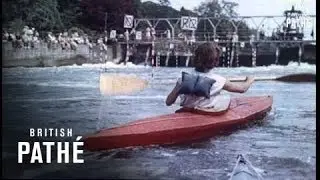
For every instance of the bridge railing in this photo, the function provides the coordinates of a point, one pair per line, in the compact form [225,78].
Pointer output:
[212,25]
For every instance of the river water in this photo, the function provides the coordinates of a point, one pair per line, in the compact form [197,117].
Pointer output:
[283,145]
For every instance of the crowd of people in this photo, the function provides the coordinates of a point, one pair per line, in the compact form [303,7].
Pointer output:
[28,38]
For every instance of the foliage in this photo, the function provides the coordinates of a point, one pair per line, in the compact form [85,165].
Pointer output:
[16,25]
[44,15]
[61,15]
[221,14]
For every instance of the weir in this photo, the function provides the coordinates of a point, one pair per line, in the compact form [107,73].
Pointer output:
[240,47]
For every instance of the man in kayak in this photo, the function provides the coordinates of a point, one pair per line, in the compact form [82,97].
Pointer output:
[201,88]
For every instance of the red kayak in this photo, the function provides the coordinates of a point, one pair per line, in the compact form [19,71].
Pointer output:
[179,127]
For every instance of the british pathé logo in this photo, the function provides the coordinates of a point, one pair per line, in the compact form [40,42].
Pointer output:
[297,21]
[63,148]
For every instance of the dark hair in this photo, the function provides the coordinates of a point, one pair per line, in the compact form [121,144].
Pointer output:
[206,57]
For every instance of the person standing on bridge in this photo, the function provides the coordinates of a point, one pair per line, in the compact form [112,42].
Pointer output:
[206,84]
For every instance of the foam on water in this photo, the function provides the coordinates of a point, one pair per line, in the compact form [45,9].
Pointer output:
[140,97]
[49,99]
[291,65]
[52,84]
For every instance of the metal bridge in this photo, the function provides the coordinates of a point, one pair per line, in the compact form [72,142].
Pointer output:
[234,41]
[257,22]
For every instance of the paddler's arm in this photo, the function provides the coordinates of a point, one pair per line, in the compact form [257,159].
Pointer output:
[172,97]
[238,87]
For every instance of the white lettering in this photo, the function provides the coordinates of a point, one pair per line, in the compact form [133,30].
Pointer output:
[50,131]
[48,147]
[21,152]
[61,151]
[76,151]
[39,132]
[69,132]
[36,153]
[62,133]
[31,132]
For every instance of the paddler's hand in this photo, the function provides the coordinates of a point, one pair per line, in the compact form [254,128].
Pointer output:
[173,94]
[178,85]
[250,79]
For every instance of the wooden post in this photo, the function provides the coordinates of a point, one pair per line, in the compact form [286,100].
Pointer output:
[232,54]
[254,55]
[177,59]
[152,53]
[167,58]
[127,54]
[277,55]
[237,54]
[223,56]
[158,59]
[171,46]
[188,58]
[228,56]
[147,56]
[300,53]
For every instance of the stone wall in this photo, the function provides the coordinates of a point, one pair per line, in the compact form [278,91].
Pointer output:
[42,56]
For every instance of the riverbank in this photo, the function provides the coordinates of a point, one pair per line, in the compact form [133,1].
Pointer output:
[42,56]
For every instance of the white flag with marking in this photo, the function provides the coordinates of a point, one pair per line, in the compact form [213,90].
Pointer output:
[128,21]
[189,23]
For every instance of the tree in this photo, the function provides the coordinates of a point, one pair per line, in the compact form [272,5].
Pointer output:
[70,12]
[44,15]
[209,9]
[228,8]
[94,12]
[185,12]
[222,12]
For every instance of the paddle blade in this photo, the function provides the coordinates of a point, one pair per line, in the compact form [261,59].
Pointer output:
[305,77]
[119,84]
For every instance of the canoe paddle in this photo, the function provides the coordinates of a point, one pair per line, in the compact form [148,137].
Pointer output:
[303,77]
[120,84]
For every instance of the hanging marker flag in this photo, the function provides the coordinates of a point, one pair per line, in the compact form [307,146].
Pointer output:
[128,21]
[189,23]
[138,35]
[113,34]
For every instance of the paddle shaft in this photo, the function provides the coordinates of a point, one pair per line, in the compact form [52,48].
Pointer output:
[303,77]
[241,79]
